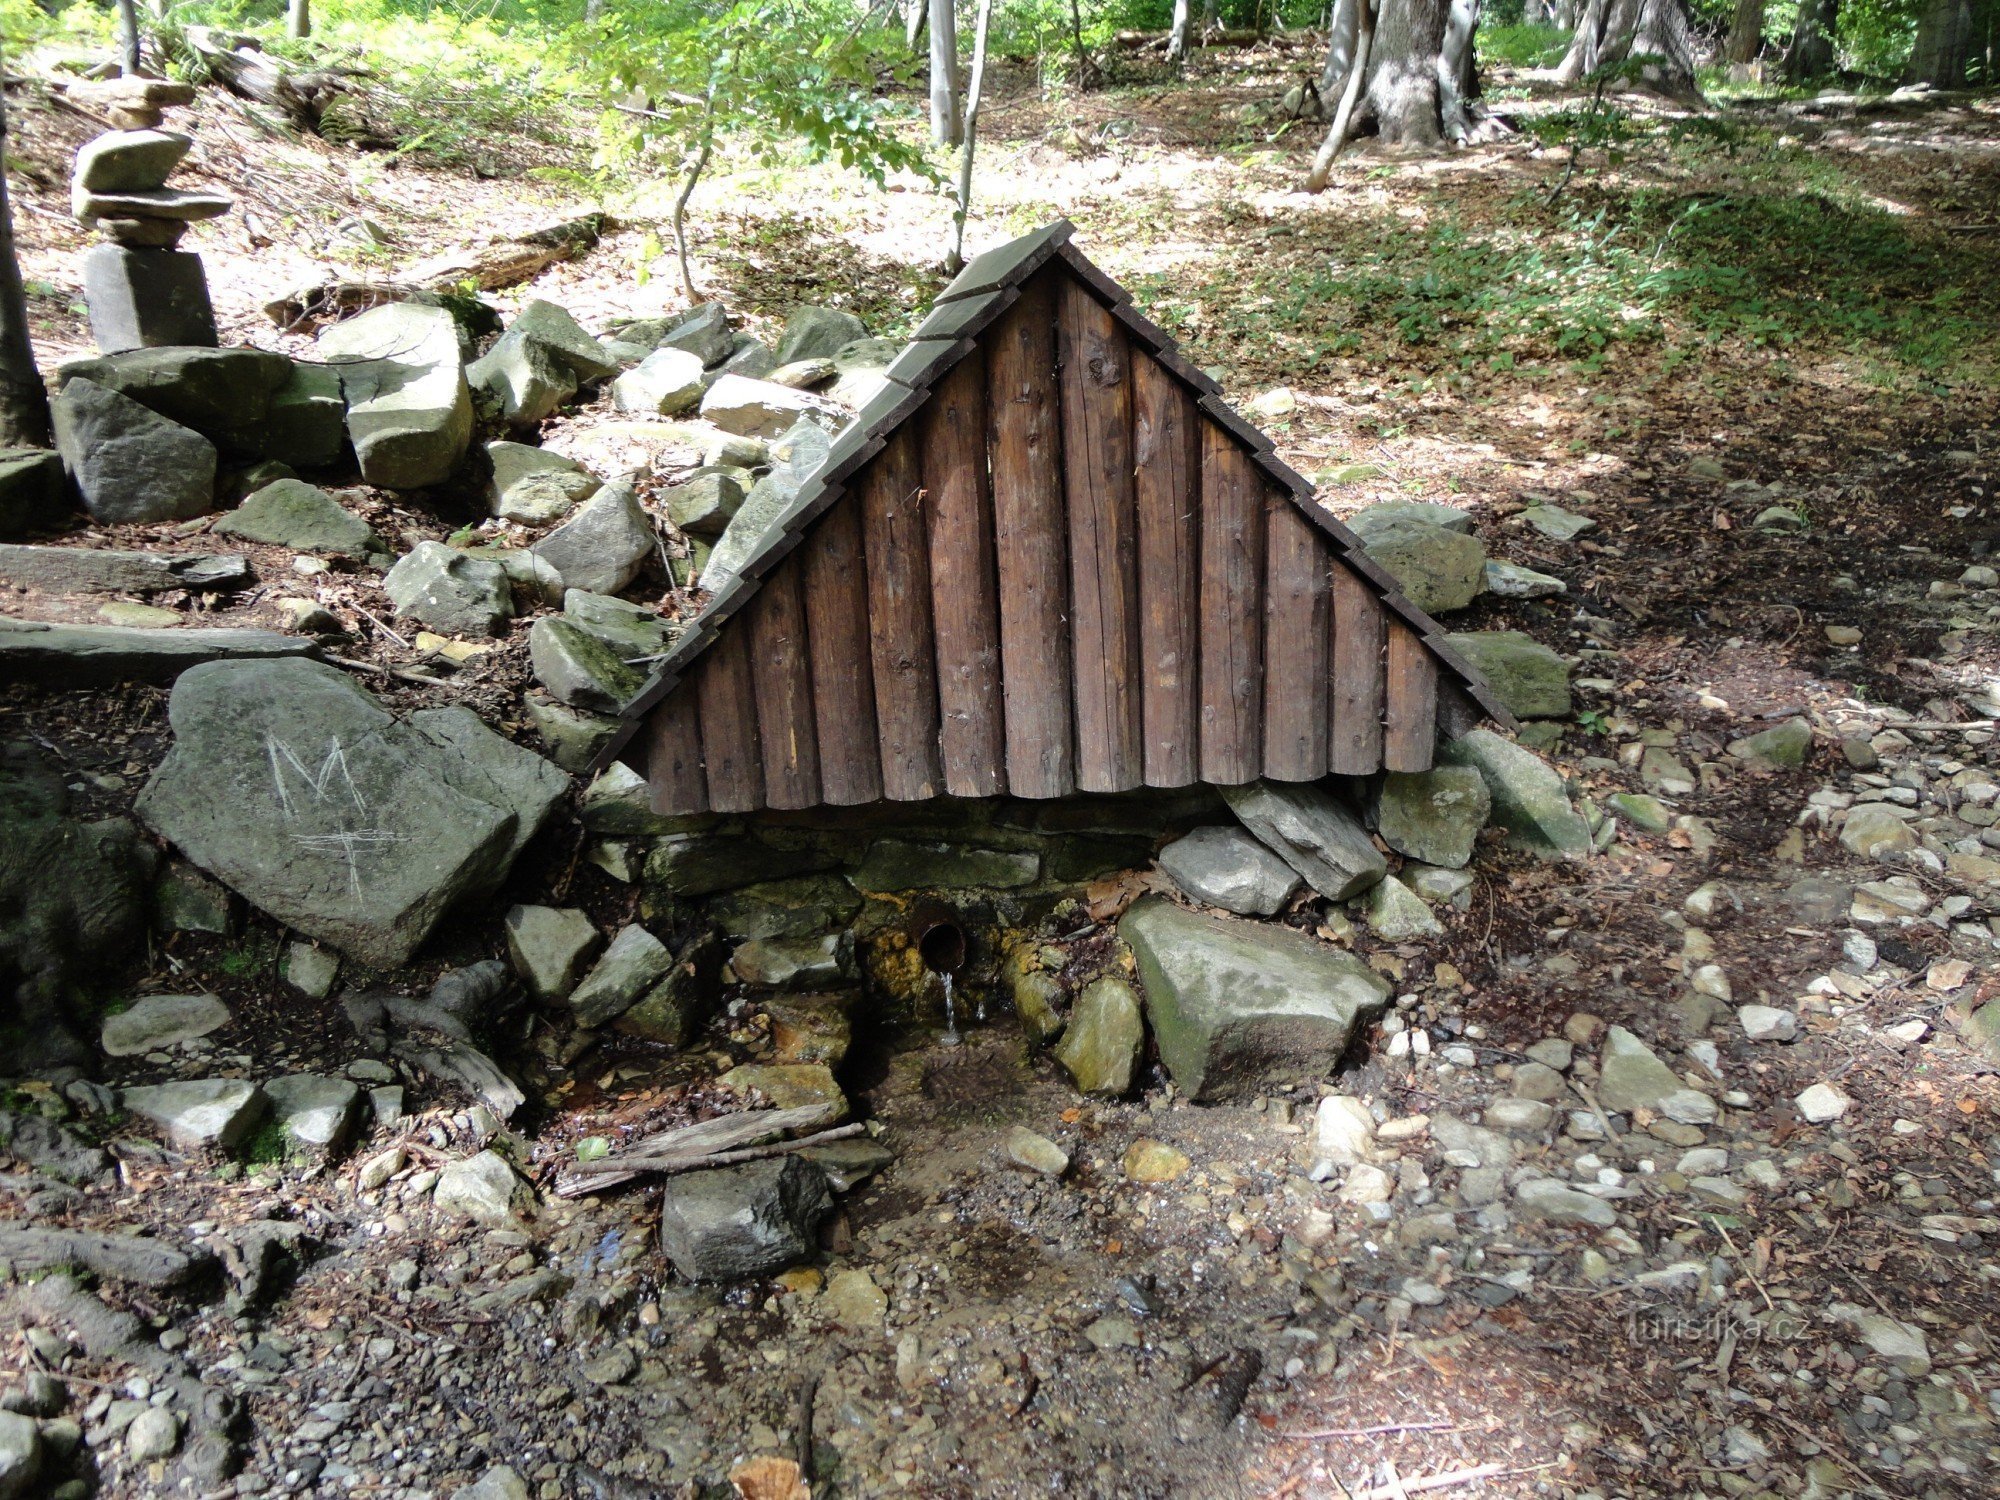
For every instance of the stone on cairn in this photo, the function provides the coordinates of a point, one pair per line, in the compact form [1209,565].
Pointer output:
[142,293]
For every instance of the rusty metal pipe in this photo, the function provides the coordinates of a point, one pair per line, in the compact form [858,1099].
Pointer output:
[938,934]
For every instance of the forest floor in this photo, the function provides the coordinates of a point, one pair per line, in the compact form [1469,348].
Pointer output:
[1679,325]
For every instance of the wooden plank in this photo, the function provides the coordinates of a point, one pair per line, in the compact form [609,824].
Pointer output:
[781,672]
[1166,456]
[729,725]
[1103,541]
[843,677]
[1410,692]
[1024,444]
[1232,611]
[1298,646]
[901,643]
[673,754]
[965,584]
[1358,629]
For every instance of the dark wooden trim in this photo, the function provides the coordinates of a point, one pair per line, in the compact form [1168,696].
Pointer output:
[1232,611]
[902,645]
[1166,456]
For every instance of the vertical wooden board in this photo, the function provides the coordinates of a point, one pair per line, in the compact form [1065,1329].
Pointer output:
[1166,460]
[1298,645]
[1232,611]
[1410,691]
[728,700]
[835,577]
[673,754]
[972,729]
[902,645]
[1024,444]
[1358,628]
[1103,540]
[781,672]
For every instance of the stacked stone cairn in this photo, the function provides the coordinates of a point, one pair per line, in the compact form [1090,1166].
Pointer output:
[142,292]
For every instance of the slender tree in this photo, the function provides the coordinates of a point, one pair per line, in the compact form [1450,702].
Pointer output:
[1811,52]
[128,37]
[946,125]
[299,23]
[956,261]
[24,400]
[1177,37]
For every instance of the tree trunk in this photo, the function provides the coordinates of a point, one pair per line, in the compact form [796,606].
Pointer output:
[956,262]
[1746,33]
[1943,45]
[1535,13]
[1340,35]
[946,126]
[1177,38]
[298,19]
[1811,54]
[128,37]
[1612,31]
[916,15]
[24,400]
[1420,73]
[1343,118]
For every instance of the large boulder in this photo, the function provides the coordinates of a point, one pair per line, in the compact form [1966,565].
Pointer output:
[291,784]
[127,461]
[762,408]
[519,382]
[1238,1007]
[96,655]
[576,667]
[1437,569]
[817,333]
[533,486]
[450,591]
[666,382]
[1313,832]
[34,491]
[704,330]
[735,1222]
[551,328]
[1433,815]
[1527,677]
[604,543]
[292,513]
[223,394]
[409,410]
[1226,867]
[1529,798]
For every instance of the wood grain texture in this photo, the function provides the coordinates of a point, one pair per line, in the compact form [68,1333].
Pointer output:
[1166,455]
[729,724]
[902,645]
[1232,611]
[1411,694]
[835,579]
[673,755]
[1103,541]
[965,584]
[1358,643]
[1298,645]
[1024,444]
[781,672]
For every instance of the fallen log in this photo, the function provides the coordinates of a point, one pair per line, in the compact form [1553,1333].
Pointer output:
[705,1138]
[240,65]
[114,1257]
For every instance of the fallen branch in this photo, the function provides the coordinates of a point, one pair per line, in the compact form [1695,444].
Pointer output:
[704,1138]
[1445,1481]
[114,1257]
[1384,1428]
[668,1165]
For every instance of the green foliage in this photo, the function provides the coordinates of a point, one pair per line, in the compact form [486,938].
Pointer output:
[269,1147]
[1522,46]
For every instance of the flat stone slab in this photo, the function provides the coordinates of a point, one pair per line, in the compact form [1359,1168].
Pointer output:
[125,161]
[316,1112]
[89,570]
[157,1021]
[1313,832]
[292,513]
[96,655]
[1239,1006]
[205,1112]
[1226,867]
[154,203]
[409,409]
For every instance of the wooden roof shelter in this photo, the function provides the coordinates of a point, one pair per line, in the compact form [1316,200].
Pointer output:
[1045,558]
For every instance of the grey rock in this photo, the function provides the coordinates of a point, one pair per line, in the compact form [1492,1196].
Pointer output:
[409,409]
[95,655]
[802,907]
[1435,815]
[450,591]
[704,331]
[633,963]
[127,462]
[314,1111]
[603,545]
[1647,814]
[1782,747]
[811,962]
[906,865]
[305,422]
[1312,832]
[1512,581]
[577,668]
[154,1434]
[1557,524]
[678,1004]
[1631,1076]
[759,408]
[572,737]
[1034,1152]
[1545,1198]
[632,631]
[793,459]
[1529,798]
[483,1188]
[1237,1006]
[1100,1047]
[1388,512]
[292,513]
[1225,867]
[746,357]
[817,333]
[205,1112]
[34,492]
[498,1483]
[144,299]
[705,505]
[803,374]
[1520,1116]
[1397,914]
[534,487]
[550,327]
[519,381]
[155,1022]
[1437,570]
[666,382]
[90,570]
[1527,677]
[1902,1344]
[532,577]
[291,784]
[744,1221]
[548,947]
[185,900]
[124,161]
[223,394]
[309,970]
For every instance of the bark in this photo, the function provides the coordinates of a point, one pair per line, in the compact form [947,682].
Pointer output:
[957,261]
[1656,35]
[1746,33]
[298,19]
[1811,54]
[1943,46]
[916,17]
[1535,13]
[946,126]
[1343,119]
[1340,36]
[1177,38]
[1419,75]
[24,401]
[258,76]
